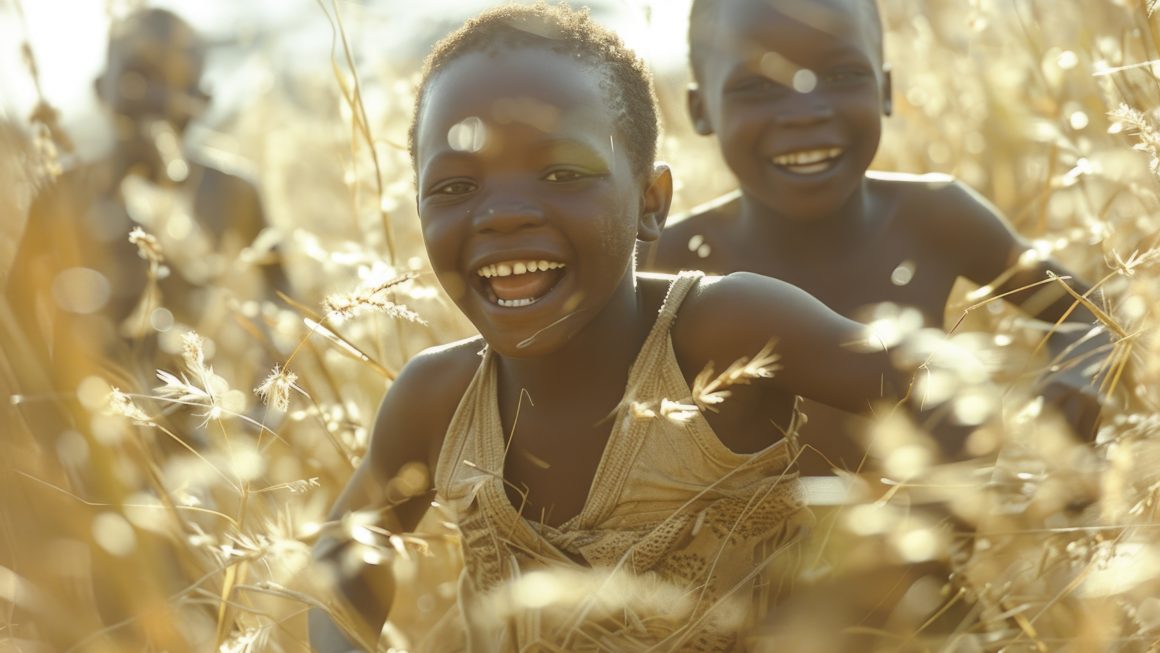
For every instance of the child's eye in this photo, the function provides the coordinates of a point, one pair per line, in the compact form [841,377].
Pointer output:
[755,85]
[454,187]
[563,175]
[844,76]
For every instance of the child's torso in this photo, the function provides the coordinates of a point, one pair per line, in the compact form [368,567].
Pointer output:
[890,256]
[640,485]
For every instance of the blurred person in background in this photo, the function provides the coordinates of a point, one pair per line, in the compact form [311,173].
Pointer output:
[76,271]
[119,257]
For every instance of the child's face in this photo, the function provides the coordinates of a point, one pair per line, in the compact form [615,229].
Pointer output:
[529,205]
[153,77]
[794,90]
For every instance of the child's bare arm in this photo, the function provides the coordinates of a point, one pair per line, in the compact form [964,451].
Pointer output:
[823,355]
[991,254]
[396,480]
[966,227]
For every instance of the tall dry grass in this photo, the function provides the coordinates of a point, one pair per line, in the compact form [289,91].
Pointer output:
[176,512]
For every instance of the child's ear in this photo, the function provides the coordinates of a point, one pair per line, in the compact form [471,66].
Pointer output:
[887,91]
[695,102]
[658,197]
[99,88]
[203,95]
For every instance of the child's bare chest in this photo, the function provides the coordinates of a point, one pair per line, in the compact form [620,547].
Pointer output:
[890,266]
[552,460]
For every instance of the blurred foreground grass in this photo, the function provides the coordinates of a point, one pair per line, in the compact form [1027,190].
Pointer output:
[181,518]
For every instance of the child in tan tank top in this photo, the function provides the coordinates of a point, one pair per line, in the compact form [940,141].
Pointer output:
[580,441]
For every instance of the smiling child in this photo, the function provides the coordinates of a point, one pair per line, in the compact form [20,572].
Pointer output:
[549,436]
[795,91]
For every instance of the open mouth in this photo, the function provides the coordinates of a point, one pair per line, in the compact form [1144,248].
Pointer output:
[809,162]
[517,283]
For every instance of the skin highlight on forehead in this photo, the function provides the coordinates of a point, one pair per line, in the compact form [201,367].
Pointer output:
[520,107]
[568,113]
[626,84]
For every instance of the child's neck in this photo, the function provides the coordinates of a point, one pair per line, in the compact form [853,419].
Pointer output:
[601,353]
[846,224]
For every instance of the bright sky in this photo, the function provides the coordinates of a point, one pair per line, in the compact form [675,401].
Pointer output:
[68,40]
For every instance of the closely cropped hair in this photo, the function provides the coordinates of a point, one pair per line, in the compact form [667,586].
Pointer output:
[160,24]
[702,18]
[628,83]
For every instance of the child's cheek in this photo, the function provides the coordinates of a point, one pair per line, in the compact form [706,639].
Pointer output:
[453,284]
[616,229]
[440,241]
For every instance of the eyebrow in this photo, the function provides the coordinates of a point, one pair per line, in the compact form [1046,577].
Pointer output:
[441,157]
[587,147]
[563,143]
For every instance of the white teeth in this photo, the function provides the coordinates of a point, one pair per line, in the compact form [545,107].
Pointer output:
[509,268]
[810,169]
[807,157]
[516,303]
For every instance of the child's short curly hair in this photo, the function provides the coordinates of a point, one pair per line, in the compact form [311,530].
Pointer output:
[702,19]
[567,31]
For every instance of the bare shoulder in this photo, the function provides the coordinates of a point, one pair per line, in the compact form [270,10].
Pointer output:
[232,182]
[731,316]
[821,354]
[226,166]
[682,235]
[416,411]
[932,202]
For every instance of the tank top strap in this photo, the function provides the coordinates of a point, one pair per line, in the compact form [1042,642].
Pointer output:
[678,290]
[646,377]
[657,344]
[476,408]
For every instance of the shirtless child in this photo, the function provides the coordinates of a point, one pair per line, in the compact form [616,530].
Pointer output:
[795,91]
[204,216]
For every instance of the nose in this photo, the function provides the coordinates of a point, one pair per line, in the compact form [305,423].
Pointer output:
[803,109]
[507,215]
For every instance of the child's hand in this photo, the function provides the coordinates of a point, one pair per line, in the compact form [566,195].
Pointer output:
[1076,397]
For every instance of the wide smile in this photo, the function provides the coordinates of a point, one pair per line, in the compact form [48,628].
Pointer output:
[518,283]
[808,163]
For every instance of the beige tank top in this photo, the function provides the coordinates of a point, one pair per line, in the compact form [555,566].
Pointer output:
[681,544]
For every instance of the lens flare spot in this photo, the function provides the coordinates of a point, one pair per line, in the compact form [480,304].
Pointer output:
[161,319]
[93,392]
[805,81]
[72,449]
[114,534]
[908,461]
[973,409]
[903,274]
[81,290]
[918,545]
[869,519]
[469,135]
[537,590]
